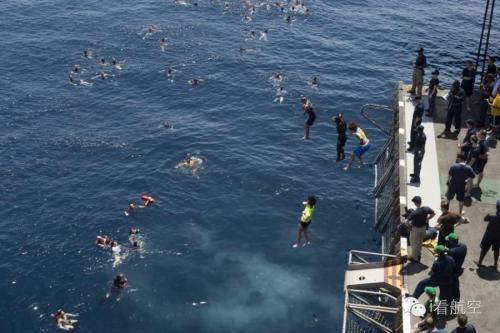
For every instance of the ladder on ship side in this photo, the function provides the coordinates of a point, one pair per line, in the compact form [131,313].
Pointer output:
[482,51]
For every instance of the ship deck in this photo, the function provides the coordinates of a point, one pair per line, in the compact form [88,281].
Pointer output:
[479,286]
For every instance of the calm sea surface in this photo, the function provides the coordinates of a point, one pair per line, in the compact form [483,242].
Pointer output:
[73,157]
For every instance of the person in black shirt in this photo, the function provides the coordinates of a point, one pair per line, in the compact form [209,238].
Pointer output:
[491,237]
[479,156]
[486,90]
[418,113]
[419,219]
[455,98]
[418,154]
[463,327]
[458,251]
[432,91]
[466,144]
[467,85]
[418,73]
[459,180]
[311,116]
[342,137]
[492,69]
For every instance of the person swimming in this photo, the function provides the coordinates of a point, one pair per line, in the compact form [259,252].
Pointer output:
[168,125]
[76,69]
[79,82]
[163,44]
[247,18]
[131,209]
[116,253]
[280,95]
[252,35]
[276,79]
[192,163]
[226,8]
[103,62]
[149,32]
[120,281]
[194,82]
[103,241]
[64,320]
[102,76]
[116,64]
[364,144]
[87,53]
[134,231]
[314,82]
[147,200]
[288,18]
[263,35]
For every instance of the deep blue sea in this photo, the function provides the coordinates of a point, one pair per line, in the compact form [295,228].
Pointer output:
[73,156]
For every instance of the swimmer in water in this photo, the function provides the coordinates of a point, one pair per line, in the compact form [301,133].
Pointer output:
[191,162]
[64,320]
[116,250]
[364,144]
[195,82]
[313,82]
[149,32]
[246,19]
[131,209]
[103,241]
[168,125]
[280,95]
[103,62]
[102,76]
[288,18]
[181,2]
[163,44]
[263,35]
[76,69]
[226,8]
[252,35]
[120,281]
[87,53]
[134,231]
[79,82]
[116,64]
[276,79]
[147,200]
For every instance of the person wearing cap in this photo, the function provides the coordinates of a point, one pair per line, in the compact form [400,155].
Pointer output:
[418,73]
[458,252]
[491,237]
[466,142]
[463,327]
[447,222]
[432,92]
[440,275]
[459,181]
[419,219]
[418,154]
[427,324]
[418,113]
[454,113]
[342,137]
[468,75]
[492,68]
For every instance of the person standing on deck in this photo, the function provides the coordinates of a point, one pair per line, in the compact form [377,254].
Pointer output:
[463,327]
[364,144]
[467,84]
[432,91]
[459,181]
[492,68]
[418,73]
[418,154]
[418,113]
[458,252]
[341,138]
[454,114]
[491,237]
[466,144]
[485,92]
[305,221]
[447,222]
[479,157]
[419,219]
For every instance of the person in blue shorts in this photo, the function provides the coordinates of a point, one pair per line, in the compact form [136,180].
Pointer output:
[364,144]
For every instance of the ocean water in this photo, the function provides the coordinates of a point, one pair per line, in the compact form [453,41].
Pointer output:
[73,157]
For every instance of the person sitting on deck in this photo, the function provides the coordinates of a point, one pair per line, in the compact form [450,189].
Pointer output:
[459,181]
[441,275]
[431,307]
[364,144]
[491,237]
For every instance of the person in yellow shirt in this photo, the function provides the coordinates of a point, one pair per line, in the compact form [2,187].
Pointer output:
[364,144]
[305,221]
